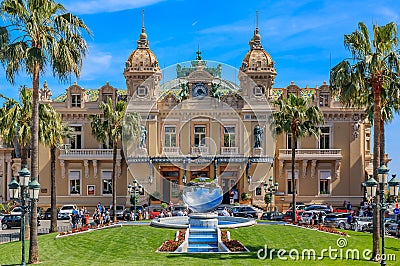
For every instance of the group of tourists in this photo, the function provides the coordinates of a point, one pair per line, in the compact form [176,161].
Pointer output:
[79,217]
[101,215]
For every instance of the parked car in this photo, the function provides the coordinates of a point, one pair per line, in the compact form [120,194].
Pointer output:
[299,206]
[336,219]
[154,213]
[12,220]
[119,212]
[288,215]
[394,229]
[66,211]
[306,217]
[364,224]
[317,207]
[16,211]
[391,226]
[273,216]
[245,211]
[47,214]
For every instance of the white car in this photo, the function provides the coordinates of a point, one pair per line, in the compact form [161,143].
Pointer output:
[66,211]
[16,211]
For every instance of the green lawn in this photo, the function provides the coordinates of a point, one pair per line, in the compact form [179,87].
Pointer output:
[136,245]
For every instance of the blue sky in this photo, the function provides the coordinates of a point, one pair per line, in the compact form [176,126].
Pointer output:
[304,38]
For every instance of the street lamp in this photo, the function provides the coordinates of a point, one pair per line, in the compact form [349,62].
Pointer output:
[20,192]
[271,187]
[371,187]
[133,190]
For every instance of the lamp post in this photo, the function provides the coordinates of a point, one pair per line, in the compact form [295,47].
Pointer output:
[133,190]
[270,188]
[19,192]
[371,186]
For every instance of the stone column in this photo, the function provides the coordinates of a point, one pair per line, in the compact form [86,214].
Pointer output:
[86,166]
[62,164]
[94,168]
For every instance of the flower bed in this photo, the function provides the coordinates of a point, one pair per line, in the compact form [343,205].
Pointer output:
[172,245]
[232,245]
[87,228]
[323,229]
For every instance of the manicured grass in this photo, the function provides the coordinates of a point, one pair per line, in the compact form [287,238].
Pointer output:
[136,245]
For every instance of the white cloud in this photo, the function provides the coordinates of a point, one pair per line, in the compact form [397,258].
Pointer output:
[97,64]
[99,6]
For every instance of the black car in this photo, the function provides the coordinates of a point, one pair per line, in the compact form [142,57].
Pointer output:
[47,214]
[12,220]
[273,216]
[245,211]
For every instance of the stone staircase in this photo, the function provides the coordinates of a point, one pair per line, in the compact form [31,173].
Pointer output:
[202,239]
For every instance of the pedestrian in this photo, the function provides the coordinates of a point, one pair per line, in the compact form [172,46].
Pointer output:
[349,206]
[320,218]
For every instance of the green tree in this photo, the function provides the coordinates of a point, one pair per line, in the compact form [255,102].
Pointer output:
[373,70]
[15,118]
[267,200]
[108,129]
[40,33]
[52,131]
[295,117]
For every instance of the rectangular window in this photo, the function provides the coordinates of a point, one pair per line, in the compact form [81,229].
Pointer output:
[289,183]
[324,182]
[169,136]
[76,140]
[74,182]
[107,182]
[229,136]
[324,100]
[289,186]
[199,136]
[174,188]
[324,138]
[75,100]
[106,96]
[289,142]
[142,91]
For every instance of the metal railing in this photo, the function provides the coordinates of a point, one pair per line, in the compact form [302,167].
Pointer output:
[10,237]
[200,150]
[88,153]
[229,150]
[312,152]
[171,150]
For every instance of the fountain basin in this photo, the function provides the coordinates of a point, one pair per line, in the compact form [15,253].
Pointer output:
[182,222]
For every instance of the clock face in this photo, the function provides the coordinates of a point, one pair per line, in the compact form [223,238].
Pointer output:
[199,90]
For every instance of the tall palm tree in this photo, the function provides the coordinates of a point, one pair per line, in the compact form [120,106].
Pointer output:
[294,116]
[374,67]
[16,120]
[40,33]
[108,129]
[52,131]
